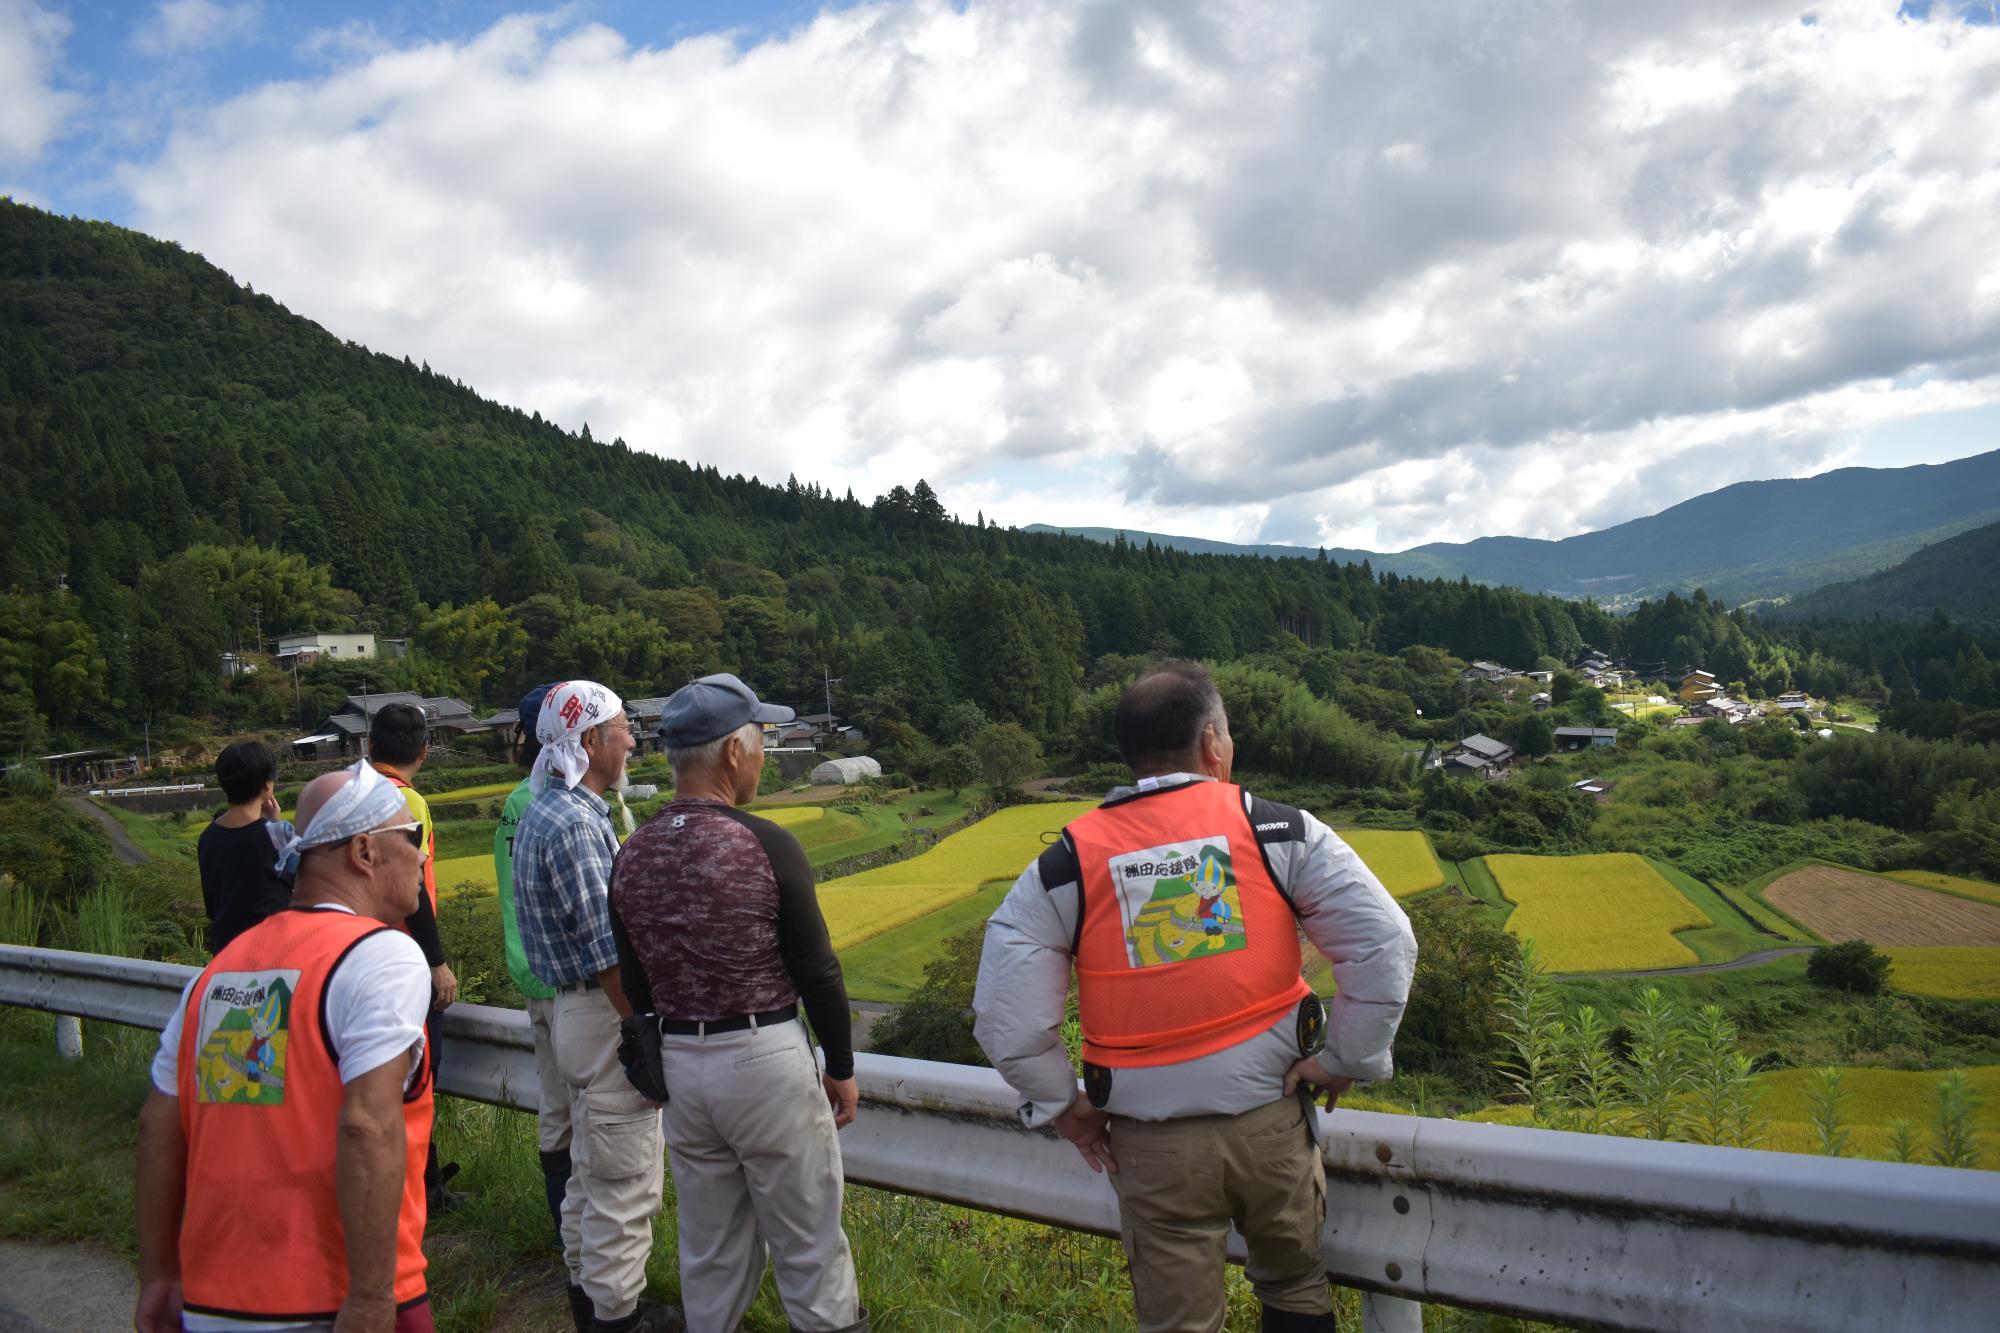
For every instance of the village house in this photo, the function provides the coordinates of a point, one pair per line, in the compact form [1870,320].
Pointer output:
[1478,756]
[1541,702]
[1571,739]
[309,647]
[1733,711]
[345,731]
[1794,701]
[1698,686]
[1486,671]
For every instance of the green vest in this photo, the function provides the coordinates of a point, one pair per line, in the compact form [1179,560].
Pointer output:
[503,871]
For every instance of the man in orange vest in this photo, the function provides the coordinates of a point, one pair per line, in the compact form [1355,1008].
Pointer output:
[281,1151]
[1179,903]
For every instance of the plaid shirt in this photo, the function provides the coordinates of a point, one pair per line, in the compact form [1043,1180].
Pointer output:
[563,851]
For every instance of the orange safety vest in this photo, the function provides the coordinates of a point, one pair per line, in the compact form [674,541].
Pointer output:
[1186,945]
[260,1097]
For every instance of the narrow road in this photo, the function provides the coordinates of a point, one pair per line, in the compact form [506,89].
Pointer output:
[64,1289]
[1751,959]
[121,841]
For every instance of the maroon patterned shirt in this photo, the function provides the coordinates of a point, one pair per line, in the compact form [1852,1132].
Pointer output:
[715,916]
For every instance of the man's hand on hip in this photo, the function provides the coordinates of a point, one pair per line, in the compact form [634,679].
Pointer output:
[1087,1128]
[844,1096]
[1308,1072]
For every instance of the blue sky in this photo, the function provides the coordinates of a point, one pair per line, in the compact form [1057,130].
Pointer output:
[1255,270]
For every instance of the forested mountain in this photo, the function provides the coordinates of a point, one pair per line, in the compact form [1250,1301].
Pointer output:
[189,464]
[1752,540]
[1959,576]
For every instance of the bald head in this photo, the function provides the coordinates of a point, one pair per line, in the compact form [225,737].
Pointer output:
[1162,718]
[318,792]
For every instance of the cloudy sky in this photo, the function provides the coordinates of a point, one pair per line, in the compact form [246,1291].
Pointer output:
[1311,273]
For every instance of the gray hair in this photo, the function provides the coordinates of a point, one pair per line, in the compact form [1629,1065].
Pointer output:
[709,753]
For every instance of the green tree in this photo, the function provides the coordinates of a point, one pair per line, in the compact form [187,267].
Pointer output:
[935,1023]
[955,766]
[1537,737]
[1452,1025]
[478,642]
[1851,966]
[1008,755]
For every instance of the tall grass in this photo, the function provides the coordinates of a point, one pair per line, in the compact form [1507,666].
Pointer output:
[22,914]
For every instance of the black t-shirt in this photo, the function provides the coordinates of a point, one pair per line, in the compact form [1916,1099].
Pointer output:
[240,883]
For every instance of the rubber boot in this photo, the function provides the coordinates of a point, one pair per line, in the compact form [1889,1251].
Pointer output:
[647,1318]
[555,1183]
[1295,1321]
[858,1326]
[580,1311]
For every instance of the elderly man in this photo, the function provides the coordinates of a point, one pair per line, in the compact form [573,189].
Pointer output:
[281,1151]
[552,1128]
[563,850]
[720,936]
[1179,902]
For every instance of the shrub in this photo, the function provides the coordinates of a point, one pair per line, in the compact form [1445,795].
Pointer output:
[1854,966]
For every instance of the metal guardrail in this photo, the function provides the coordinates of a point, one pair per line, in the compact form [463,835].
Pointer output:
[1570,1228]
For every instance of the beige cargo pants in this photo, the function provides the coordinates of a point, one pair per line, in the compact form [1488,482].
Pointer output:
[756,1172]
[1180,1184]
[615,1158]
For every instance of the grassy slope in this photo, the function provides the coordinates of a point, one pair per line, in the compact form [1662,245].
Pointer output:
[1731,936]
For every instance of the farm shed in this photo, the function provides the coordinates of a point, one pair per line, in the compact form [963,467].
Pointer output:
[842,772]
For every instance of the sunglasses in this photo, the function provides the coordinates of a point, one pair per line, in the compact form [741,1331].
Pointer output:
[414,831]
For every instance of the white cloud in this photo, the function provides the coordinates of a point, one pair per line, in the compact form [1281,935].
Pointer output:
[175,26]
[1364,277]
[32,108]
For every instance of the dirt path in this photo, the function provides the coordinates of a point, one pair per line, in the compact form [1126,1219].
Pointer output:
[64,1289]
[1752,959]
[121,841]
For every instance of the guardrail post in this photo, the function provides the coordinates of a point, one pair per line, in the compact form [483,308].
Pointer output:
[1390,1314]
[69,1036]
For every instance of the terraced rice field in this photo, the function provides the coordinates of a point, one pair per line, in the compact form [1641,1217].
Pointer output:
[1839,904]
[792,816]
[1951,974]
[1931,879]
[860,907]
[485,792]
[466,876]
[1403,861]
[1604,913]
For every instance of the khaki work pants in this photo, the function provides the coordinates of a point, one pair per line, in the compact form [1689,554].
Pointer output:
[756,1172]
[552,1110]
[615,1162]
[1180,1184]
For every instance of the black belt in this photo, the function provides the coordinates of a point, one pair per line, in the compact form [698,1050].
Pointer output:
[579,987]
[696,1027]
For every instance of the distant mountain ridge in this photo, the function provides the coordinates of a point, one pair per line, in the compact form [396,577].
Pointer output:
[1749,541]
[1959,576]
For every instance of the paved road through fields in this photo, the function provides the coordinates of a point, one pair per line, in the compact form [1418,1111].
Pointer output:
[1751,959]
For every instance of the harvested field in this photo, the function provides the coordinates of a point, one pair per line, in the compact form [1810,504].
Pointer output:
[1842,905]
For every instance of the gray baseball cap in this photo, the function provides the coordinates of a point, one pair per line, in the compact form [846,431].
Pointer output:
[710,708]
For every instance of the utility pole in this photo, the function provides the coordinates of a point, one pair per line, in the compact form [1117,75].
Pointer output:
[298,700]
[149,742]
[831,681]
[257,616]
